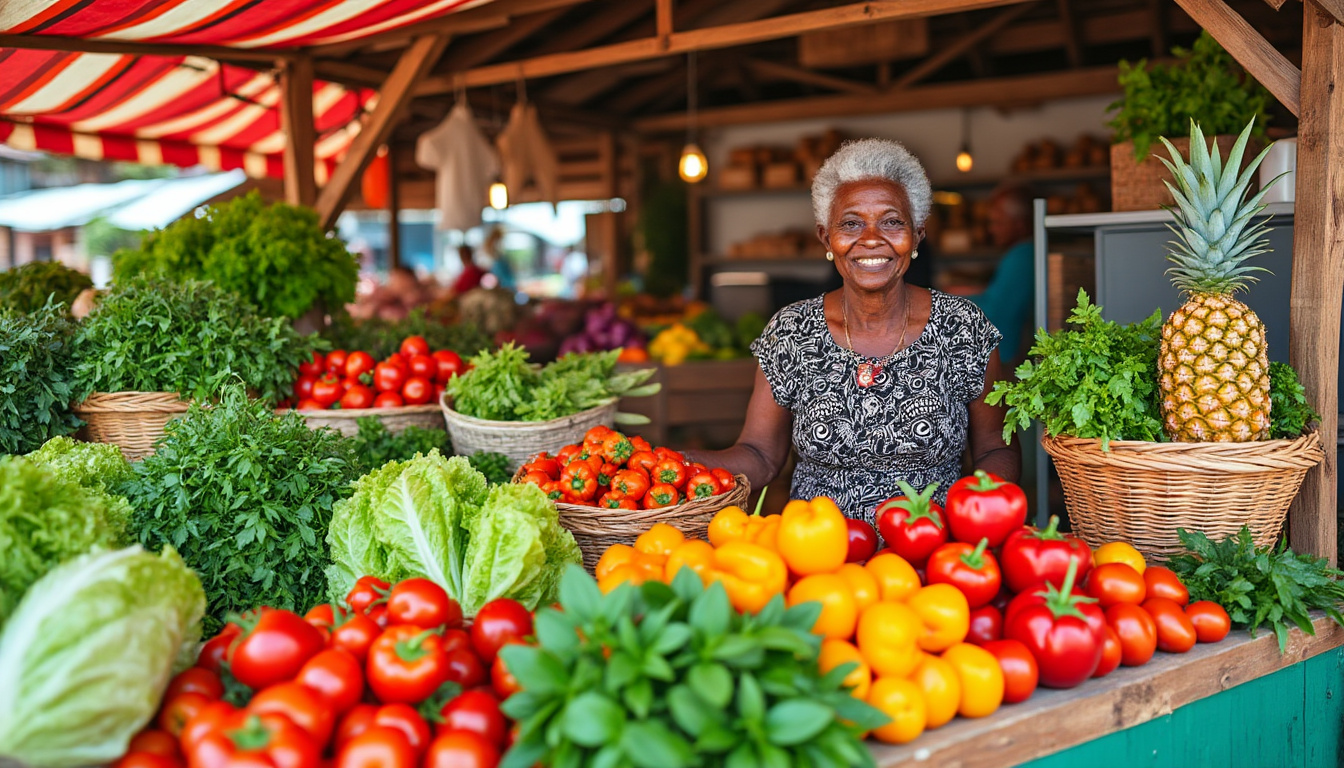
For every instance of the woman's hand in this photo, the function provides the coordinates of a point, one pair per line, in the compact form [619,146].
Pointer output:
[988,450]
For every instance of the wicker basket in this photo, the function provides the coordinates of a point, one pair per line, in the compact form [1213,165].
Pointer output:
[596,528]
[132,420]
[1137,186]
[396,420]
[521,440]
[1142,492]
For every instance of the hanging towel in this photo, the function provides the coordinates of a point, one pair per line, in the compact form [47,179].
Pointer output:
[528,158]
[465,166]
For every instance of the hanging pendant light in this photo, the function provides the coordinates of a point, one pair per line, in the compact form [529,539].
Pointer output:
[693,166]
[964,159]
[499,196]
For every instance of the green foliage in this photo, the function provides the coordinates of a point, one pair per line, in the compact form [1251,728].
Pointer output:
[93,465]
[189,337]
[36,378]
[1203,84]
[381,338]
[375,445]
[504,386]
[246,497]
[662,230]
[495,466]
[1289,411]
[274,256]
[672,677]
[1259,585]
[26,288]
[1096,381]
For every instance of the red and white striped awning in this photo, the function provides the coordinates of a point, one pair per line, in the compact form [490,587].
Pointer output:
[183,110]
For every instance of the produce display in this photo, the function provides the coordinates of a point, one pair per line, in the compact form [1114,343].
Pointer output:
[381,338]
[27,288]
[354,379]
[617,472]
[603,330]
[704,335]
[502,385]
[37,366]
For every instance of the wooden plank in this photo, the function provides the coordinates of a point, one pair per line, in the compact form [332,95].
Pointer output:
[1004,91]
[133,48]
[392,99]
[800,75]
[1275,4]
[485,47]
[1051,721]
[493,15]
[348,73]
[663,18]
[1157,10]
[958,49]
[1318,268]
[1325,708]
[1262,60]
[296,123]
[1333,7]
[393,209]
[1072,46]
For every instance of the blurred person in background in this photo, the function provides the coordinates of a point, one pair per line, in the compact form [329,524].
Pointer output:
[470,276]
[1010,297]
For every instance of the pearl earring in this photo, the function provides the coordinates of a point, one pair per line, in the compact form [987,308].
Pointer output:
[830,256]
[914,254]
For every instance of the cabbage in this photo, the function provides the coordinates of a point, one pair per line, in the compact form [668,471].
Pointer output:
[100,466]
[86,657]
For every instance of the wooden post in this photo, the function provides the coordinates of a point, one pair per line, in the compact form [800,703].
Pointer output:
[296,122]
[393,210]
[1318,268]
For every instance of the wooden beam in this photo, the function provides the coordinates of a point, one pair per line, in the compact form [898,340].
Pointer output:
[479,50]
[958,49]
[393,209]
[134,48]
[1120,27]
[663,23]
[1012,91]
[493,15]
[1275,4]
[801,75]
[1262,60]
[1072,46]
[709,38]
[296,123]
[1318,268]
[1335,8]
[348,73]
[608,22]
[1157,10]
[392,100]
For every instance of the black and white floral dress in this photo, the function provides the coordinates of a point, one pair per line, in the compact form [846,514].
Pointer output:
[854,443]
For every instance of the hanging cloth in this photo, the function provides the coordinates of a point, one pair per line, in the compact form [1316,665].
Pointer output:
[465,166]
[528,158]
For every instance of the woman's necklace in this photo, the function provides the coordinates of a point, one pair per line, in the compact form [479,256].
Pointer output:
[868,372]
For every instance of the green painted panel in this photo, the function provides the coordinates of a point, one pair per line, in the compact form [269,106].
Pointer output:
[1293,718]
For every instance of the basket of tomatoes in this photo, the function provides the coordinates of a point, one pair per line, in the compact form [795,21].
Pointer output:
[336,389]
[611,487]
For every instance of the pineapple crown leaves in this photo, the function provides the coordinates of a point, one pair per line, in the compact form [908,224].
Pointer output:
[1210,250]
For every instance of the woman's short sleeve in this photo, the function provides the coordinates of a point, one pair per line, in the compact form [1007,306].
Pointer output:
[778,350]
[972,337]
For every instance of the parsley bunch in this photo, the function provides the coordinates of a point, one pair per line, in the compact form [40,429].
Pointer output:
[375,444]
[1259,585]
[1289,411]
[1096,381]
[27,288]
[36,378]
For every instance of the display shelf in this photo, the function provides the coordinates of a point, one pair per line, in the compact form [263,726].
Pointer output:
[1042,176]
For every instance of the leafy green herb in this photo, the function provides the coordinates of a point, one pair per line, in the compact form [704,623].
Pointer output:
[1096,381]
[375,445]
[100,466]
[36,378]
[504,386]
[672,676]
[246,497]
[1289,411]
[274,256]
[188,337]
[1203,84]
[495,466]
[26,288]
[381,338]
[1259,585]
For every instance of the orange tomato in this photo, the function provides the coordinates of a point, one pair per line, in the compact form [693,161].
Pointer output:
[938,681]
[813,536]
[694,554]
[661,539]
[1113,583]
[1137,632]
[903,702]
[1163,582]
[616,555]
[837,652]
[887,637]
[1211,622]
[839,612]
[896,578]
[1175,632]
[861,584]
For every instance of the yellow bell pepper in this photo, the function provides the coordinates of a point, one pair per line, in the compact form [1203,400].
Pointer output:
[694,554]
[751,574]
[764,531]
[838,610]
[938,681]
[813,536]
[837,652]
[622,574]
[981,679]
[902,701]
[661,539]
[896,578]
[944,614]
[1120,552]
[616,555]
[729,524]
[887,636]
[861,584]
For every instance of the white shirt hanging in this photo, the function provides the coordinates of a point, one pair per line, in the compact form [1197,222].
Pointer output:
[527,156]
[465,166]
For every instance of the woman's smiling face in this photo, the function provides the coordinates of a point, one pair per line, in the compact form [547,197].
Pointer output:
[871,232]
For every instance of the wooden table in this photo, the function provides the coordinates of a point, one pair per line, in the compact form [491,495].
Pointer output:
[1051,721]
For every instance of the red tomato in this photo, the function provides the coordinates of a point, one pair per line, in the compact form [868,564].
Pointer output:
[368,590]
[461,749]
[309,404]
[971,569]
[1020,672]
[423,603]
[327,390]
[502,680]
[912,524]
[406,664]
[1211,622]
[423,366]
[250,740]
[1030,556]
[303,387]
[388,377]
[336,361]
[417,391]
[355,635]
[862,541]
[414,345]
[986,625]
[1163,582]
[357,364]
[456,639]
[448,363]
[157,742]
[180,709]
[984,506]
[498,622]
[1175,631]
[1111,652]
[135,759]
[404,719]
[1137,632]
[388,400]
[195,680]
[335,675]
[358,720]
[316,366]
[274,649]
[1064,631]
[377,747]
[397,359]
[465,668]
[476,711]
[304,707]
[1113,583]
[321,616]
[211,718]
[357,396]
[439,389]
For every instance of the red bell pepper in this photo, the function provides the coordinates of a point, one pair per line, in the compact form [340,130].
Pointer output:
[638,444]
[1061,634]
[631,482]
[973,570]
[726,480]
[702,486]
[579,482]
[1032,556]
[986,625]
[563,456]
[661,495]
[985,506]
[616,448]
[671,472]
[912,524]
[643,460]
[606,474]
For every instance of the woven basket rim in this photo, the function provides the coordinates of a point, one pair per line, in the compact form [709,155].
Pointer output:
[132,402]
[687,509]
[1312,435]
[355,413]
[1302,452]
[462,418]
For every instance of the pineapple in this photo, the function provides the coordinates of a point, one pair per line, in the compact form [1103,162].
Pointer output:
[1213,369]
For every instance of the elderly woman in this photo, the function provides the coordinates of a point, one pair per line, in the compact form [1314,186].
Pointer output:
[877,381]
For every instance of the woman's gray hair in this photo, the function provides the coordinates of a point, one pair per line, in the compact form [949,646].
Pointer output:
[872,159]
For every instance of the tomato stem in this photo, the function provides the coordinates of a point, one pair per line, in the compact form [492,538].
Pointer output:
[252,736]
[412,648]
[1050,532]
[984,482]
[975,559]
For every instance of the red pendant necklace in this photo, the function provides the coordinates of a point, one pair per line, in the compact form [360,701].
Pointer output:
[868,371]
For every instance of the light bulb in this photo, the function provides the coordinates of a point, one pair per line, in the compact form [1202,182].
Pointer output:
[499,196]
[693,165]
[964,160]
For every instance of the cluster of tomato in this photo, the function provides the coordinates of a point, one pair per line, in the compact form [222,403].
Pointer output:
[392,678]
[410,376]
[613,471]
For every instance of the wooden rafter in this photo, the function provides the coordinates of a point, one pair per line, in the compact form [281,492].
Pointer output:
[1157,10]
[1073,47]
[396,92]
[811,77]
[958,49]
[1262,60]
[493,15]
[1335,8]
[663,22]
[607,23]
[296,123]
[1276,4]
[348,73]
[586,86]
[133,48]
[486,47]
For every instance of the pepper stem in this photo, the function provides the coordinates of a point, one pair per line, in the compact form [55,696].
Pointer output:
[1063,602]
[412,648]
[760,502]
[975,559]
[1051,531]
[984,482]
[252,736]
